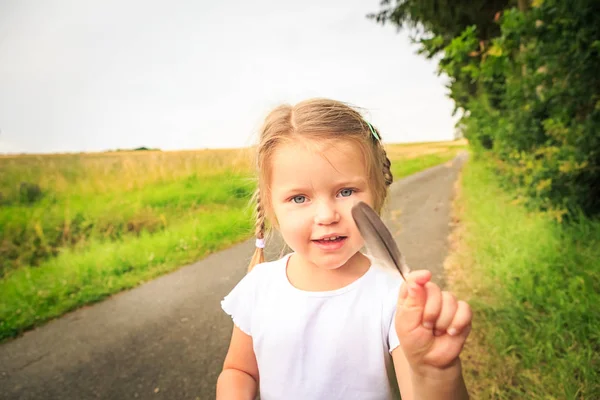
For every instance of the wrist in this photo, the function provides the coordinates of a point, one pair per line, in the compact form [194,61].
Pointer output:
[432,374]
[440,383]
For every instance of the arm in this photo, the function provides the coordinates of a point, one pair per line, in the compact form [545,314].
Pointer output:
[239,378]
[403,374]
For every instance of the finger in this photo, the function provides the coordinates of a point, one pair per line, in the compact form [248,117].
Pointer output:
[462,319]
[449,307]
[403,293]
[433,306]
[410,312]
[420,277]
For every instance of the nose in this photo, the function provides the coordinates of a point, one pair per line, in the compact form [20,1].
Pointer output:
[326,213]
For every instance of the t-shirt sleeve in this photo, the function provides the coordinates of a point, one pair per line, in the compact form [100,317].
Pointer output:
[391,305]
[393,336]
[239,303]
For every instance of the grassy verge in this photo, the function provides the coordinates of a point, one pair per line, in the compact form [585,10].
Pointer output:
[89,244]
[29,296]
[535,289]
[405,167]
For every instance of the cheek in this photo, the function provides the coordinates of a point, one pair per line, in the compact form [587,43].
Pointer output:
[294,231]
[289,220]
[369,198]
[293,221]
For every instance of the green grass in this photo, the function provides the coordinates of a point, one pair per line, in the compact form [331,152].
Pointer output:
[534,286]
[29,296]
[402,168]
[80,244]
[35,233]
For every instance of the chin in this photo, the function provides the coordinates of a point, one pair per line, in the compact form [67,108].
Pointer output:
[332,261]
[330,266]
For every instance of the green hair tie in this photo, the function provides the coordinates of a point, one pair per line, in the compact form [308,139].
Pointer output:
[373,131]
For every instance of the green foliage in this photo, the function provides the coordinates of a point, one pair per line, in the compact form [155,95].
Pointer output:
[441,26]
[31,234]
[529,93]
[29,193]
[77,276]
[548,142]
[442,20]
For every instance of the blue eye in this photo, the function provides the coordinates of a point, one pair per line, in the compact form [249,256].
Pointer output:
[346,192]
[299,199]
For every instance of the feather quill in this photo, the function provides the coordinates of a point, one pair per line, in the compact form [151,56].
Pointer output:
[378,238]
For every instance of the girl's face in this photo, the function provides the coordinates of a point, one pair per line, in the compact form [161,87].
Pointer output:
[312,194]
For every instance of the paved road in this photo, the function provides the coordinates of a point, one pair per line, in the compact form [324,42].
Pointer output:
[167,338]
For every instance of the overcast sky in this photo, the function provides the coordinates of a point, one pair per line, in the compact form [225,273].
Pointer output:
[91,75]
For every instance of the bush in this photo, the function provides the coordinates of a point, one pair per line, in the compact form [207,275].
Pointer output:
[29,192]
[537,106]
[527,82]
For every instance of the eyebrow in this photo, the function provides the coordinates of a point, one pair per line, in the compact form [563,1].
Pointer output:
[347,182]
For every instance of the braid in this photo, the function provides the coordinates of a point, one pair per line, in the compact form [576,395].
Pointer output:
[387,172]
[259,231]
[259,226]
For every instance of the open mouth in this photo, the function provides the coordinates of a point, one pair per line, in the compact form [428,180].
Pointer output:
[331,244]
[334,239]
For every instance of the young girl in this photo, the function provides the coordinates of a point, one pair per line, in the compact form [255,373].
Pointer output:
[327,321]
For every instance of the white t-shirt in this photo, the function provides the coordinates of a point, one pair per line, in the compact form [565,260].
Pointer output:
[319,345]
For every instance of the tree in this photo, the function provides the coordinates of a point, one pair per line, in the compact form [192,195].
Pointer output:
[525,74]
[443,19]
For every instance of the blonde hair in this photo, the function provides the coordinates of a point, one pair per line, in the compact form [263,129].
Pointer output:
[317,119]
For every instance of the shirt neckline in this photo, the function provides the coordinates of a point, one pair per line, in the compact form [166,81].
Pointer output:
[325,293]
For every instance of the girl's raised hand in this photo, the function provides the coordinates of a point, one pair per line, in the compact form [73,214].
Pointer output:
[431,324]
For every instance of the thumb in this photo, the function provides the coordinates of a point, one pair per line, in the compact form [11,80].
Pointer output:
[411,305]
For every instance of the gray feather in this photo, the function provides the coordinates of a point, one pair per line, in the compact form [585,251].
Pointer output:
[378,238]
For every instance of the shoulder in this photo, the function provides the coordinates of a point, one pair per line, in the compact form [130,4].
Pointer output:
[267,273]
[262,281]
[268,268]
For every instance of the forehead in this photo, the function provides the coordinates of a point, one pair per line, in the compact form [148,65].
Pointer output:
[311,164]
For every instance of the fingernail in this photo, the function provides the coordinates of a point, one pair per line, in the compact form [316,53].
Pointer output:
[452,331]
[427,325]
